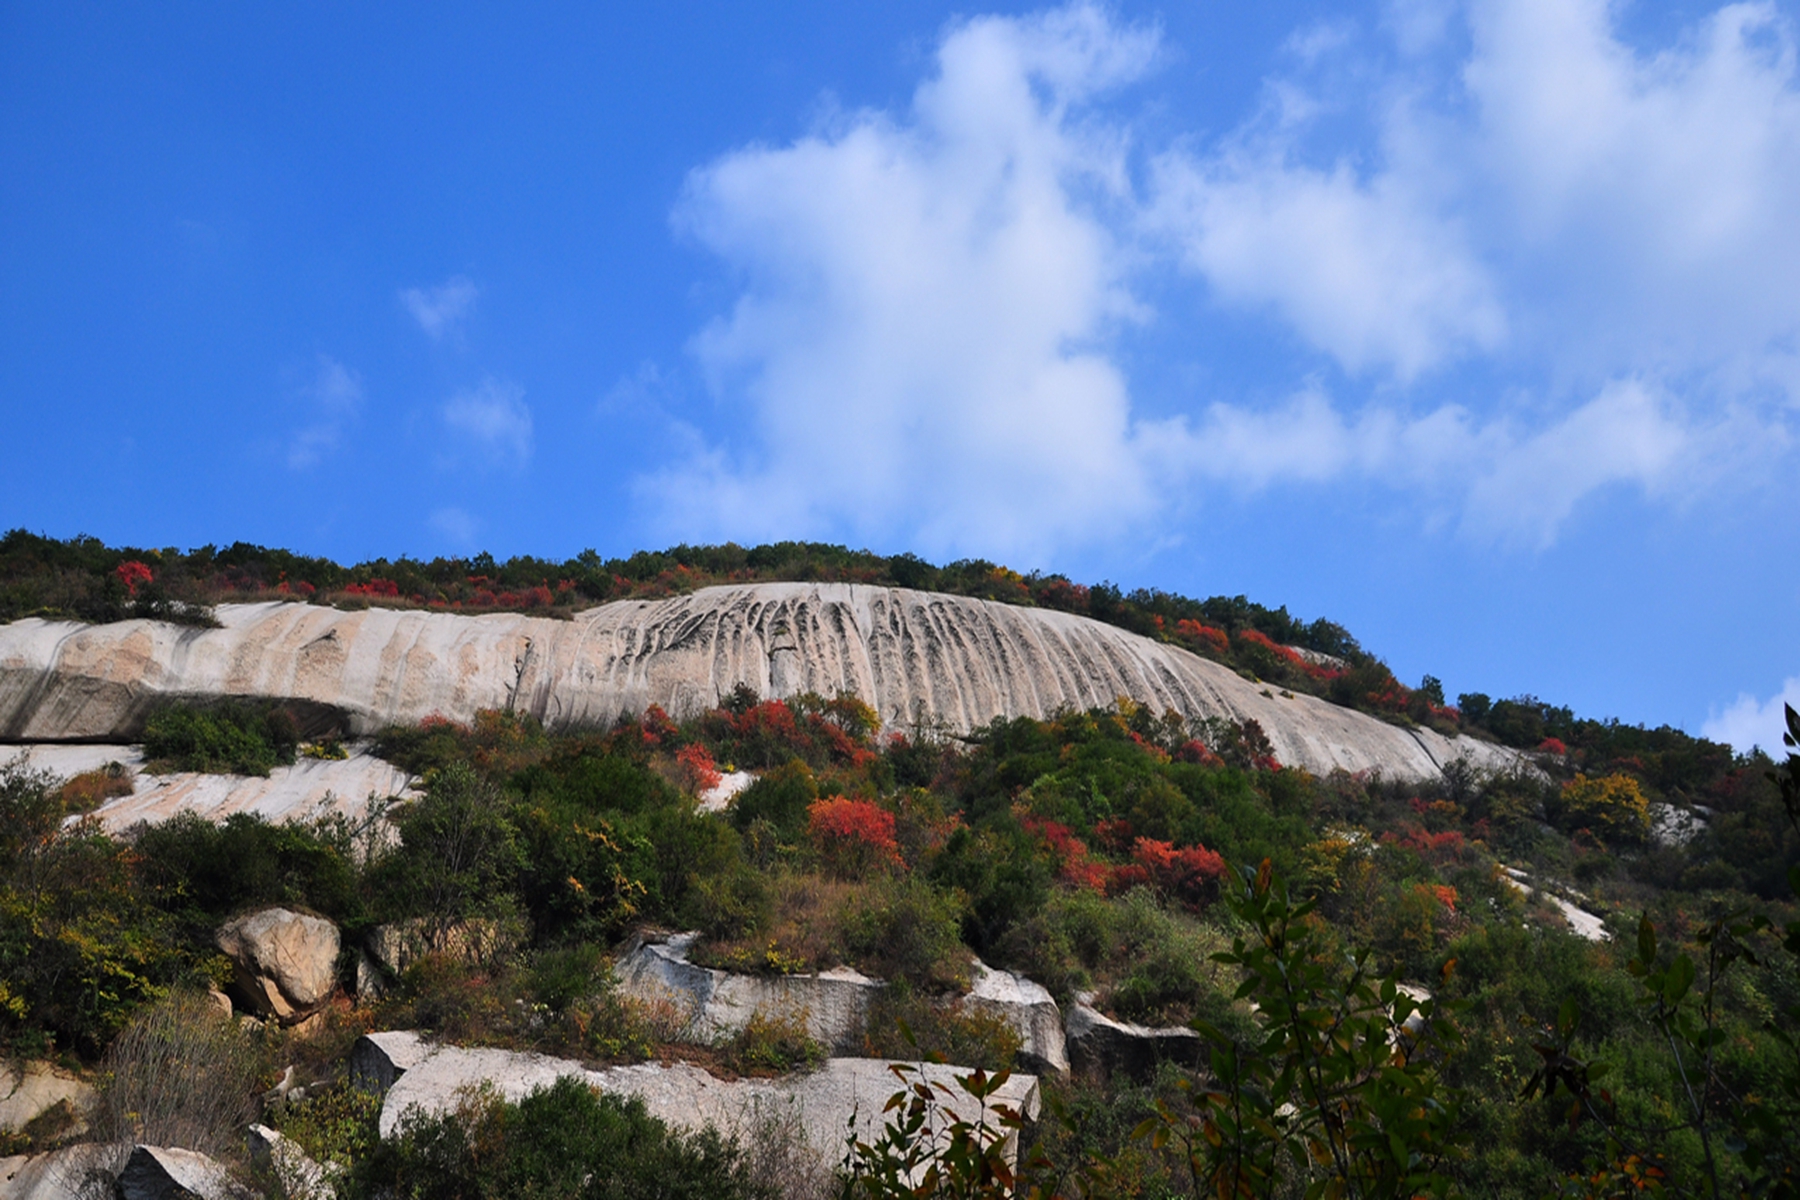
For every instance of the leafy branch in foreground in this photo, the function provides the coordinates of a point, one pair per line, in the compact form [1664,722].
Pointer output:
[1749,1135]
[1337,1096]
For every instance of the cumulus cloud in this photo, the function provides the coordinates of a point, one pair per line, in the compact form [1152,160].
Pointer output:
[922,336]
[332,396]
[1748,722]
[493,419]
[438,309]
[1513,262]
[1366,269]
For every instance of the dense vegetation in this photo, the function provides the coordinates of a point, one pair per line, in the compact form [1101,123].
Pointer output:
[1090,852]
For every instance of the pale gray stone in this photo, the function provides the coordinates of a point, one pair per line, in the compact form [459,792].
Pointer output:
[396,946]
[1103,1046]
[378,1059]
[820,1103]
[913,656]
[71,1173]
[278,1158]
[170,1173]
[28,1090]
[1031,1011]
[715,1004]
[284,963]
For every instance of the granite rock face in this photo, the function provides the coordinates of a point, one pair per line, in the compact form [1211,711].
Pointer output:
[311,787]
[1102,1046]
[31,1090]
[169,1173]
[818,1105]
[715,1004]
[284,963]
[1031,1011]
[913,656]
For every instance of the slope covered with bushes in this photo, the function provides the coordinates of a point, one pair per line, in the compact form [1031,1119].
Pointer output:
[1091,852]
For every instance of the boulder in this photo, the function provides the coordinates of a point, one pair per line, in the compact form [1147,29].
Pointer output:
[70,1173]
[284,963]
[820,1105]
[170,1173]
[716,1004]
[1030,1010]
[293,1171]
[34,1096]
[910,655]
[1102,1046]
[379,1059]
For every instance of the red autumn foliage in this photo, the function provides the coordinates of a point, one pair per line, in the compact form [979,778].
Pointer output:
[1204,637]
[1073,863]
[1552,745]
[133,575]
[1195,751]
[375,587]
[1115,834]
[1189,874]
[853,835]
[1435,848]
[695,769]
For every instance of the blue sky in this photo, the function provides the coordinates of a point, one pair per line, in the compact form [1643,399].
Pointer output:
[1475,327]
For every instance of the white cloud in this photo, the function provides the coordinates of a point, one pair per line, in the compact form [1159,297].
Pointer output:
[438,309]
[1549,262]
[921,338]
[1365,270]
[495,420]
[1748,722]
[333,395]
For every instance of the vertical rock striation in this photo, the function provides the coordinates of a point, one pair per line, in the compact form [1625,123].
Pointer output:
[916,657]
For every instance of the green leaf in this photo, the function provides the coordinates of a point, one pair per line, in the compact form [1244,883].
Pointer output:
[1680,978]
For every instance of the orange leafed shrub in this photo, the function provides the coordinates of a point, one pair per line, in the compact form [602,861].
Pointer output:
[695,769]
[853,836]
[133,575]
[1073,864]
[1188,874]
[1207,636]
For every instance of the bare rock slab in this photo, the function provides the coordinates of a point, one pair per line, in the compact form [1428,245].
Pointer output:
[293,1171]
[169,1173]
[378,1060]
[820,1105]
[71,1173]
[1103,1046]
[1031,1012]
[910,655]
[284,963]
[31,1091]
[834,1004]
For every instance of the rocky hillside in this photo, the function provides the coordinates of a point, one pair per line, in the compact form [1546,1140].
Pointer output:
[915,657]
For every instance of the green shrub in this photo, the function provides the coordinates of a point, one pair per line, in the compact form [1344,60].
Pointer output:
[779,797]
[337,1124]
[905,1024]
[773,1045]
[562,1141]
[458,859]
[225,739]
[903,928]
[80,947]
[203,872]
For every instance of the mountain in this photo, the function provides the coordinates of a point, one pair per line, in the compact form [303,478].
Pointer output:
[915,657]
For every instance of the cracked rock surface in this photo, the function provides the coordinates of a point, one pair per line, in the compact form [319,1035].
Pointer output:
[913,656]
